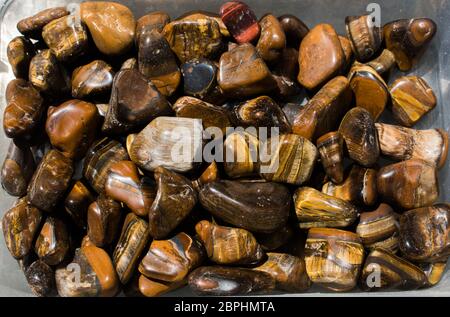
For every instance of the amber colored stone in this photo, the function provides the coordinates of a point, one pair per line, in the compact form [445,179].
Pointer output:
[201,14]
[322,114]
[294,29]
[40,278]
[272,40]
[157,62]
[20,51]
[32,26]
[77,203]
[103,220]
[191,39]
[241,151]
[412,98]
[52,244]
[92,80]
[24,109]
[123,185]
[347,48]
[209,175]
[331,150]
[383,63]
[407,38]
[242,73]
[434,271]
[50,181]
[365,36]
[17,169]
[321,57]
[20,225]
[240,21]
[153,288]
[155,20]
[72,127]
[409,184]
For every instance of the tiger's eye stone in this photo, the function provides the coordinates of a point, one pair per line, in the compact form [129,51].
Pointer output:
[425,233]
[288,271]
[434,271]
[156,20]
[316,209]
[257,207]
[291,161]
[72,126]
[331,150]
[240,20]
[24,109]
[131,107]
[333,258]
[379,228]
[360,136]
[272,40]
[174,201]
[123,184]
[287,65]
[50,181]
[130,63]
[409,184]
[407,39]
[294,29]
[321,57]
[131,244]
[153,288]
[359,188]
[40,278]
[66,37]
[92,80]
[103,220]
[347,48]
[17,169]
[241,155]
[400,143]
[157,62]
[97,276]
[365,36]
[20,225]
[201,14]
[191,39]
[370,90]
[229,246]
[199,78]
[209,175]
[391,271]
[211,115]
[262,111]
[20,51]
[52,244]
[77,203]
[242,73]
[155,145]
[47,75]
[412,98]
[32,26]
[383,63]
[229,281]
[99,158]
[111,25]
[171,260]
[324,111]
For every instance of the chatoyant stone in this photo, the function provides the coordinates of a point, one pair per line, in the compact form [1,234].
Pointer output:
[40,278]
[52,244]
[229,246]
[201,14]
[209,175]
[20,51]
[321,57]
[103,220]
[154,288]
[383,63]
[412,98]
[434,271]
[155,20]
[272,40]
[365,36]
[92,80]
[77,203]
[331,150]
[50,181]
[200,79]
[407,38]
[72,127]
[241,154]
[111,25]
[409,184]
[32,26]
[257,207]
[20,225]
[347,48]
[294,29]
[240,20]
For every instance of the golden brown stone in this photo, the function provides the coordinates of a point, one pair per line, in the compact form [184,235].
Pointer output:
[92,80]
[103,220]
[331,150]
[20,51]
[272,40]
[32,26]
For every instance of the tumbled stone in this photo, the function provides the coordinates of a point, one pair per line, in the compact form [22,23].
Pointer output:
[52,244]
[272,40]
[294,29]
[103,220]
[40,278]
[240,21]
[20,51]
[155,20]
[92,80]
[32,26]
[77,203]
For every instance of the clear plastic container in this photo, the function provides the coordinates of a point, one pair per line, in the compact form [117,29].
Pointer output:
[434,68]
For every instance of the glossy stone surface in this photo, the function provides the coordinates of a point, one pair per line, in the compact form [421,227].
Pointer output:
[347,48]
[240,20]
[50,181]
[294,29]
[77,203]
[321,57]
[155,20]
[412,98]
[331,150]
[409,184]
[33,25]
[154,288]
[383,63]
[316,209]
[111,25]
[72,127]
[241,150]
[40,278]
[201,14]
[154,146]
[334,258]
[52,243]
[20,51]
[360,136]
[228,281]
[20,225]
[272,40]
[174,201]
[24,109]
[257,207]
[103,220]
[199,78]
[134,103]
[92,80]
[365,35]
